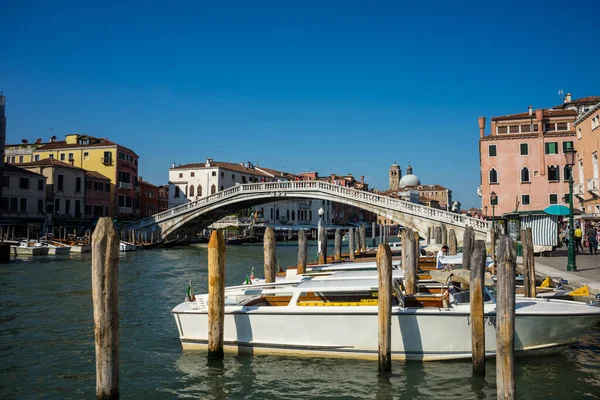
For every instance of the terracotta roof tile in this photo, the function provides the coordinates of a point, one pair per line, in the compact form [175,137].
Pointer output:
[547,113]
[49,162]
[10,168]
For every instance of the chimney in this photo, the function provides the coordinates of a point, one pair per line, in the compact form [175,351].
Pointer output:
[567,98]
[173,165]
[208,161]
[362,179]
[530,111]
[481,121]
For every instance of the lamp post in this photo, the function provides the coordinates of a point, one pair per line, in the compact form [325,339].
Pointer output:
[494,201]
[319,238]
[569,162]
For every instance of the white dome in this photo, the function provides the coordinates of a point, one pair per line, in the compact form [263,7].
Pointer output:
[409,180]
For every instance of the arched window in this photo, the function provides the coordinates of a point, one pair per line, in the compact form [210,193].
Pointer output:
[277,214]
[293,215]
[213,189]
[493,176]
[553,174]
[524,174]
[566,173]
[199,192]
[186,190]
[191,190]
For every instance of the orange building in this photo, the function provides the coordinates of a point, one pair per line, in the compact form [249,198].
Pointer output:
[585,174]
[522,159]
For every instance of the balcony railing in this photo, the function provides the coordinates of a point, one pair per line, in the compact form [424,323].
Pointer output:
[592,185]
[107,160]
[125,210]
[578,189]
[125,185]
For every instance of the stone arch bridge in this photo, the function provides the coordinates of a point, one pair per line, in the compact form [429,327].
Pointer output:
[192,217]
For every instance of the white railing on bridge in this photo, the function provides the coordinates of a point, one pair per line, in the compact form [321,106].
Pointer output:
[309,186]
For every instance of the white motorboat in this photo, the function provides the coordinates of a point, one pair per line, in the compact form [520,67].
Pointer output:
[329,317]
[28,248]
[126,246]
[57,248]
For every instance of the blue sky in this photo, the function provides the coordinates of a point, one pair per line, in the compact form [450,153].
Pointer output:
[332,86]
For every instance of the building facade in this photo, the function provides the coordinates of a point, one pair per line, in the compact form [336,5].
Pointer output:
[163,198]
[149,198]
[585,174]
[65,191]
[97,195]
[118,163]
[23,201]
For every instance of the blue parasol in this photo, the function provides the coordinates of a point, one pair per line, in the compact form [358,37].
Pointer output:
[556,209]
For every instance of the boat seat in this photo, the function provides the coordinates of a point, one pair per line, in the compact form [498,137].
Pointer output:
[272,301]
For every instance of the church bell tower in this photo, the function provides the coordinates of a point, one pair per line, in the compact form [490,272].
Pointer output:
[395,175]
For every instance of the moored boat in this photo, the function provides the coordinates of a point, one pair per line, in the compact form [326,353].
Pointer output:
[338,317]
[126,246]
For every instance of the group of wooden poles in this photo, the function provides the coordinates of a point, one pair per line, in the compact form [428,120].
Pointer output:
[105,259]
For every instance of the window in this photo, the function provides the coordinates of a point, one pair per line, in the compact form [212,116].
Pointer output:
[494,203]
[233,177]
[595,122]
[40,206]
[77,208]
[566,145]
[57,206]
[71,156]
[567,198]
[88,209]
[107,157]
[37,157]
[21,159]
[562,126]
[181,175]
[192,174]
[78,185]
[566,173]
[493,176]
[67,206]
[525,199]
[107,187]
[88,184]
[60,182]
[502,129]
[62,156]
[23,208]
[549,127]
[578,133]
[222,188]
[553,198]
[524,149]
[40,184]
[529,128]
[513,129]
[86,156]
[525,175]
[214,173]
[553,174]
[492,150]
[191,190]
[176,194]
[14,202]
[551,147]
[213,189]
[23,183]
[199,192]
[51,155]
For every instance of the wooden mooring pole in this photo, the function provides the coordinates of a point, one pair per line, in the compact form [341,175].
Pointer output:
[338,245]
[105,296]
[410,261]
[438,235]
[468,241]
[452,242]
[493,250]
[270,256]
[351,244]
[476,288]
[428,235]
[505,320]
[322,245]
[444,234]
[302,252]
[357,241]
[363,238]
[384,301]
[531,263]
[216,294]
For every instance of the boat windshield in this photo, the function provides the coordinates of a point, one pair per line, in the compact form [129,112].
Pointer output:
[463,297]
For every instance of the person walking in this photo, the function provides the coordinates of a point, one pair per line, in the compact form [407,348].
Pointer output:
[591,233]
[578,236]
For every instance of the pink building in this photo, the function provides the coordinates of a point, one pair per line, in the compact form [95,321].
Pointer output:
[97,195]
[522,160]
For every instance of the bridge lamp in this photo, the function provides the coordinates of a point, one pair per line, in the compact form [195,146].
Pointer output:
[494,201]
[321,212]
[569,163]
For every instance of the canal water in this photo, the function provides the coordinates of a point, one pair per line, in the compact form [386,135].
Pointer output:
[47,343]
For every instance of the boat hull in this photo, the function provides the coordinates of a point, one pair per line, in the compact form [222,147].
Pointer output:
[416,333]
[59,250]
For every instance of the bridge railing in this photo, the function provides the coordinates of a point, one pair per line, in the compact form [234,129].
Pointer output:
[309,186]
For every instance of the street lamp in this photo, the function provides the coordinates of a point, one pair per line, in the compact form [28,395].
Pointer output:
[319,238]
[569,162]
[494,201]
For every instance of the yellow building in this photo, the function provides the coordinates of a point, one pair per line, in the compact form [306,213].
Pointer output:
[108,158]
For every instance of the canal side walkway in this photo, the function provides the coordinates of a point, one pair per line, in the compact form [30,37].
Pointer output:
[555,266]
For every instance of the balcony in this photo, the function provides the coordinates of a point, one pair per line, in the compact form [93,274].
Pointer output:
[125,210]
[125,185]
[578,189]
[592,185]
[107,160]
[137,189]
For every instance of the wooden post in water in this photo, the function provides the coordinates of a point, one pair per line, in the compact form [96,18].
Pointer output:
[452,242]
[526,277]
[468,242]
[351,244]
[363,238]
[428,235]
[302,252]
[531,263]
[476,287]
[505,319]
[216,294]
[338,245]
[438,235]
[105,296]
[373,226]
[384,302]
[357,241]
[444,234]
[269,253]
[410,261]
[417,247]
[493,250]
[323,246]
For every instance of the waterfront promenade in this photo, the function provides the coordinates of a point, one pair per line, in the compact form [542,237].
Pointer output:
[555,266]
